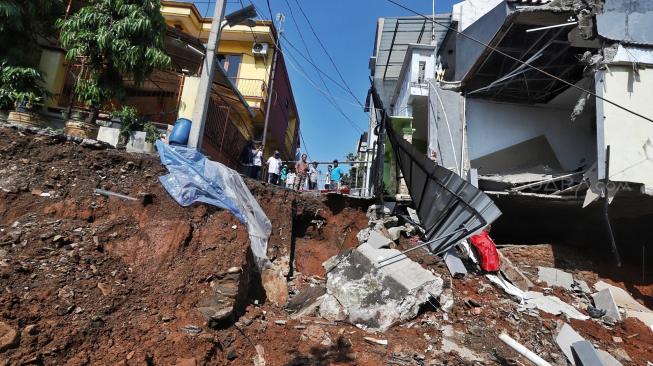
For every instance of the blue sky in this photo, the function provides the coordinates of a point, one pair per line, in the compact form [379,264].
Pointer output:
[346,28]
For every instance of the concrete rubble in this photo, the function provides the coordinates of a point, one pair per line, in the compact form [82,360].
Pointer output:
[376,297]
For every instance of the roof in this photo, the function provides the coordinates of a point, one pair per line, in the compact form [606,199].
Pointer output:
[395,36]
[530,2]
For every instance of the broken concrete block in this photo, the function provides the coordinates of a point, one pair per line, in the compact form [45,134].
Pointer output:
[306,302]
[621,297]
[378,296]
[452,341]
[603,300]
[585,354]
[454,263]
[446,300]
[551,304]
[378,241]
[363,235]
[331,309]
[565,338]
[395,232]
[607,359]
[513,274]
[555,277]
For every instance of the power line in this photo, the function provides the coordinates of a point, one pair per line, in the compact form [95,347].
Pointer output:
[308,52]
[317,67]
[299,69]
[326,52]
[304,143]
[520,61]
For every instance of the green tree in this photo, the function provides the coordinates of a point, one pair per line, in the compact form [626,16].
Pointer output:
[22,23]
[114,39]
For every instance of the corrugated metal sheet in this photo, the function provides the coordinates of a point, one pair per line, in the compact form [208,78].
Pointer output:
[397,33]
[449,208]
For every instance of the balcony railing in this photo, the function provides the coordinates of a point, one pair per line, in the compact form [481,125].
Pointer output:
[251,88]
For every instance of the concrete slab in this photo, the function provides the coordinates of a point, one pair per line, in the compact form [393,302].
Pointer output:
[513,274]
[605,301]
[551,304]
[585,354]
[565,338]
[621,297]
[375,296]
[109,135]
[555,277]
[607,359]
[377,240]
[454,263]
[138,144]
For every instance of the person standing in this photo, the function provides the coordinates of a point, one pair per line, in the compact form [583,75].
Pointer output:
[301,168]
[313,175]
[290,179]
[257,162]
[327,181]
[274,168]
[246,158]
[284,175]
[336,175]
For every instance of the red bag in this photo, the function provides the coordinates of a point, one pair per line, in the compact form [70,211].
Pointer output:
[487,251]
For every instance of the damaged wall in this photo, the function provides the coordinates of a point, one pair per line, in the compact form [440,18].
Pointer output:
[630,137]
[493,126]
[446,126]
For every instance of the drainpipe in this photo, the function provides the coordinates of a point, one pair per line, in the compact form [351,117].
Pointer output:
[270,91]
[606,205]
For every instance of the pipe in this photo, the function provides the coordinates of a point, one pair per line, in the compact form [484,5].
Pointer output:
[522,350]
[606,205]
[419,246]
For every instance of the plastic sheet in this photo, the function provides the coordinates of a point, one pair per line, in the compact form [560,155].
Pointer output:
[194,178]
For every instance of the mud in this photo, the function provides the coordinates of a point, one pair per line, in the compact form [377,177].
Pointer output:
[87,280]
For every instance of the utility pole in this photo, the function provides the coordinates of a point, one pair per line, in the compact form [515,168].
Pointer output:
[206,79]
[277,49]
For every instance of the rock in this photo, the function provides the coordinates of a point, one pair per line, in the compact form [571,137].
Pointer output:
[395,232]
[30,330]
[130,355]
[280,322]
[381,342]
[363,235]
[233,270]
[104,288]
[446,300]
[275,285]
[315,334]
[8,337]
[232,355]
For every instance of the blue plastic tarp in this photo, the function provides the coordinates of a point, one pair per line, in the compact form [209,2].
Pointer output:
[194,178]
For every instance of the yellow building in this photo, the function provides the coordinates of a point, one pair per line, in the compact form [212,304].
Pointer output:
[241,87]
[247,56]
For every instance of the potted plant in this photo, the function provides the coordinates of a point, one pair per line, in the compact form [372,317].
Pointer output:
[152,134]
[22,88]
[112,40]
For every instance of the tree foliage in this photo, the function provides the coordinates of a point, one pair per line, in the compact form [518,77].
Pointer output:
[20,86]
[114,39]
[22,23]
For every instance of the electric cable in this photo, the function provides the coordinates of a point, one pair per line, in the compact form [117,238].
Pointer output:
[310,25]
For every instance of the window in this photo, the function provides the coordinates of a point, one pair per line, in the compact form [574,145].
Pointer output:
[422,72]
[231,64]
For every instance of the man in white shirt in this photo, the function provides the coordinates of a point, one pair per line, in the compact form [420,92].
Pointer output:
[313,175]
[274,168]
[291,179]
[257,162]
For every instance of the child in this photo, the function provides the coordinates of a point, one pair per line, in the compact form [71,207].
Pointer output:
[283,176]
[290,178]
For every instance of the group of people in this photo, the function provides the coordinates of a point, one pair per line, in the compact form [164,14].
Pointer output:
[292,177]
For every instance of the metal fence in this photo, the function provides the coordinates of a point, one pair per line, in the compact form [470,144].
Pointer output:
[223,141]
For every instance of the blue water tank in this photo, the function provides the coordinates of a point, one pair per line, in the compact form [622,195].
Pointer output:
[180,132]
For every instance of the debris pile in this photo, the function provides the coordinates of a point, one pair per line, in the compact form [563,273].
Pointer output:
[97,278]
